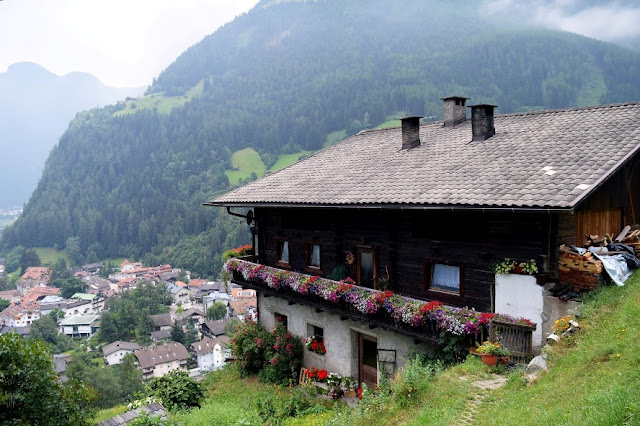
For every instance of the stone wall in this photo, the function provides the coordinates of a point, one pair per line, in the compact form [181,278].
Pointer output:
[340,337]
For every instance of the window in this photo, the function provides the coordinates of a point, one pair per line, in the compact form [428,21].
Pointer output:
[313,254]
[281,319]
[443,277]
[314,330]
[282,253]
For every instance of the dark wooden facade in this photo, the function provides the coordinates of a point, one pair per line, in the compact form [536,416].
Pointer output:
[406,242]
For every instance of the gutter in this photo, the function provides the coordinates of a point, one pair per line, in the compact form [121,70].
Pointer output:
[392,207]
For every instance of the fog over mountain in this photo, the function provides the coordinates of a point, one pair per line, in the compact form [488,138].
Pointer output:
[36,108]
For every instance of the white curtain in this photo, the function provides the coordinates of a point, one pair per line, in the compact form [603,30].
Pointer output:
[446,277]
[284,253]
[315,256]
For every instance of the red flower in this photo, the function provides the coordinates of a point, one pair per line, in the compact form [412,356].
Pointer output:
[322,374]
[430,306]
[287,336]
[314,345]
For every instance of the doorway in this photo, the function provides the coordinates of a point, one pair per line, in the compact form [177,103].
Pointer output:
[367,267]
[368,360]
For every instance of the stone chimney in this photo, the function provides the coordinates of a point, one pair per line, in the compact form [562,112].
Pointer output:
[455,111]
[482,122]
[410,132]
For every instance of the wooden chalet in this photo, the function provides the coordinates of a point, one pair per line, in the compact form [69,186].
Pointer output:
[428,207]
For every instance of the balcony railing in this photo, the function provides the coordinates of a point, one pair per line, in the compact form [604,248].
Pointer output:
[419,319]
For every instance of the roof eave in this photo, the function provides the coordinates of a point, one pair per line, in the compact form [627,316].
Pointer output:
[393,206]
[620,164]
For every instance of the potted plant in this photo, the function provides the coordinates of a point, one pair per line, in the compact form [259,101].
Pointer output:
[490,352]
[315,344]
[349,384]
[562,327]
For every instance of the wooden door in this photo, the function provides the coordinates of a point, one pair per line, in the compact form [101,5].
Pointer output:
[367,267]
[368,360]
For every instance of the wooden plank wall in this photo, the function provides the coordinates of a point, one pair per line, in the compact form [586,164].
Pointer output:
[403,240]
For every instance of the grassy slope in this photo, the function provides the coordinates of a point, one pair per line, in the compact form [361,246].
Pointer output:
[285,160]
[230,400]
[49,255]
[594,377]
[246,161]
[164,104]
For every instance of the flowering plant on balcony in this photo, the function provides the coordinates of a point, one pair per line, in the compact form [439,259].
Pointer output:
[315,344]
[401,309]
[238,252]
[512,320]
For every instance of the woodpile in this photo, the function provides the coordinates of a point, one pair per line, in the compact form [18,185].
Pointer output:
[581,272]
[585,272]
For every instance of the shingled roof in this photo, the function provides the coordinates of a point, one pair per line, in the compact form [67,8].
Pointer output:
[154,355]
[544,159]
[118,345]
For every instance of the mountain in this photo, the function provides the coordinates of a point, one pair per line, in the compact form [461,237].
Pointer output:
[36,109]
[130,179]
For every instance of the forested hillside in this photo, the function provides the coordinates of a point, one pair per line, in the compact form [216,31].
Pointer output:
[279,79]
[36,108]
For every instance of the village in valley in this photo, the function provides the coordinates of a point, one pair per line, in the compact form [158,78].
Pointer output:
[198,311]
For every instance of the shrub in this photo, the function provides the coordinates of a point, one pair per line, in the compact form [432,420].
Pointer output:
[176,390]
[276,357]
[248,345]
[283,358]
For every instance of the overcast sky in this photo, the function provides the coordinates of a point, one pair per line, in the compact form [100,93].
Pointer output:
[128,42]
[124,43]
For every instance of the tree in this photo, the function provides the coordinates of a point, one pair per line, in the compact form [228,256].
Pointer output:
[4,304]
[45,328]
[177,333]
[4,284]
[29,392]
[108,330]
[217,311]
[29,258]
[192,334]
[130,377]
[69,287]
[72,248]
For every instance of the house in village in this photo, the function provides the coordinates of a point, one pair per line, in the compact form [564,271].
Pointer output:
[192,315]
[34,276]
[20,314]
[211,353]
[424,210]
[80,325]
[215,329]
[114,352]
[180,295]
[156,361]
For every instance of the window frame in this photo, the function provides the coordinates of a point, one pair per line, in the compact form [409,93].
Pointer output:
[278,242]
[427,278]
[308,248]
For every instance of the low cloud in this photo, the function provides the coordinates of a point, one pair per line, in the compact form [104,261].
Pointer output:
[614,21]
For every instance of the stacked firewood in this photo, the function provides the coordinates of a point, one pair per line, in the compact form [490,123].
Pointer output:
[581,272]
[626,236]
[585,272]
[630,238]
